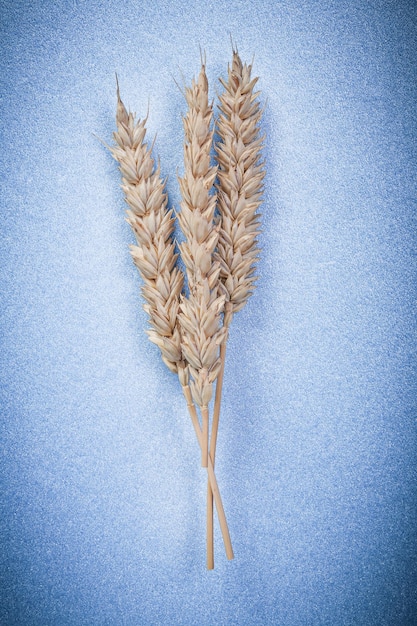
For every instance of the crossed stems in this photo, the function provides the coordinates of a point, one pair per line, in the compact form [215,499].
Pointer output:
[214,488]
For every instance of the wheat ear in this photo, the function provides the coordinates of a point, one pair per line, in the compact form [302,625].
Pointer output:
[200,313]
[240,187]
[239,190]
[153,226]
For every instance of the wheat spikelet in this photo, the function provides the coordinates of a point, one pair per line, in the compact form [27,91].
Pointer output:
[153,226]
[200,313]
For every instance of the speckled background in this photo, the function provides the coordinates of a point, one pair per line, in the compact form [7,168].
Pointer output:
[103,499]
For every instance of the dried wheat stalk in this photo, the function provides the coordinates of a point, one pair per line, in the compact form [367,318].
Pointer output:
[200,313]
[239,193]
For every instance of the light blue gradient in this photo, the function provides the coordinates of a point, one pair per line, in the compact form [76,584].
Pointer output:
[103,499]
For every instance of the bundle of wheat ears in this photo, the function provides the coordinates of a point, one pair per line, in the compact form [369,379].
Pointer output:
[190,315]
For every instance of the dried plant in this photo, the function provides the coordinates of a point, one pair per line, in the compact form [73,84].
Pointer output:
[220,223]
[153,225]
[200,312]
[239,194]
[240,187]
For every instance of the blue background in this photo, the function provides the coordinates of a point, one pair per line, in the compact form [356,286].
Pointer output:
[103,499]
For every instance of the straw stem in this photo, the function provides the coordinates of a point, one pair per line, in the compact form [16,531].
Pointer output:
[212,479]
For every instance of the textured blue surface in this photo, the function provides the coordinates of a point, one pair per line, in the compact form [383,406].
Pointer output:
[103,499]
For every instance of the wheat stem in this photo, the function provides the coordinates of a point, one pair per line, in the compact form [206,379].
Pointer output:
[205,435]
[214,431]
[228,315]
[211,477]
